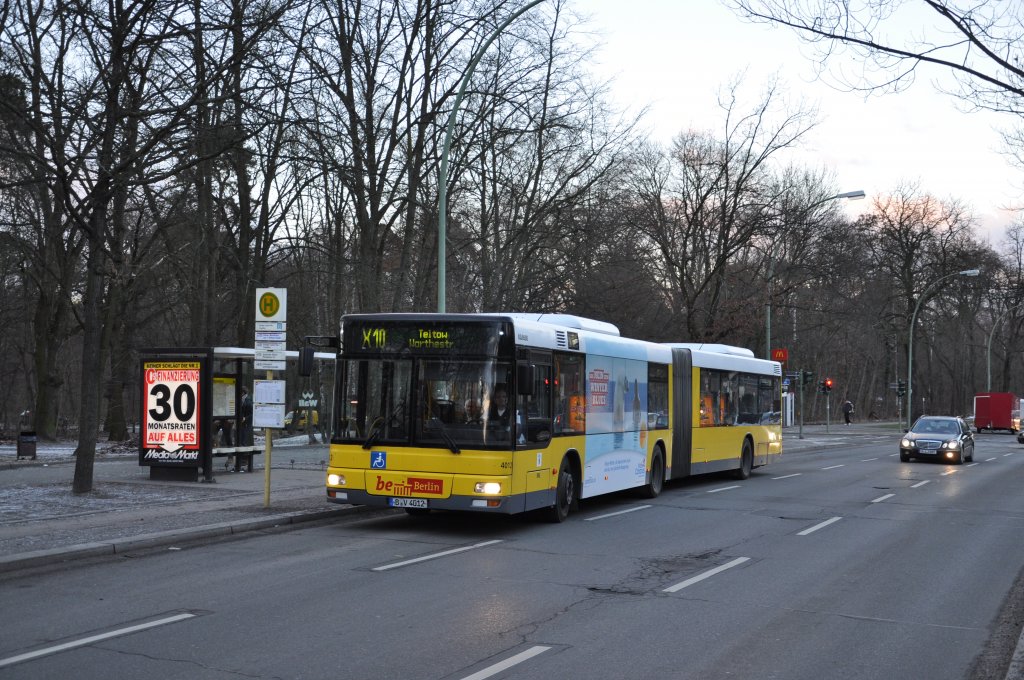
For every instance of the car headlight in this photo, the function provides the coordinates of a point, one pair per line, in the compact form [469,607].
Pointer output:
[906,443]
[952,444]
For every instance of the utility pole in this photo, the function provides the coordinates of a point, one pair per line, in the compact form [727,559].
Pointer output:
[827,400]
[805,377]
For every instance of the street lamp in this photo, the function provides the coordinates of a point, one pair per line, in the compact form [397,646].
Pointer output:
[852,195]
[442,180]
[990,336]
[910,340]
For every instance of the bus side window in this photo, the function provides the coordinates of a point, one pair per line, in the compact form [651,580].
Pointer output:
[713,402]
[570,402]
[657,396]
[534,410]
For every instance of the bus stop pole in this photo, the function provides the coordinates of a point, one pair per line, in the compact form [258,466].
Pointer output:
[267,446]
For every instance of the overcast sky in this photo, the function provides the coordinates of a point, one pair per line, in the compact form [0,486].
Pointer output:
[674,56]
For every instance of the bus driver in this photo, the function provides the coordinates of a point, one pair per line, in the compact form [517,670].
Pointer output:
[499,415]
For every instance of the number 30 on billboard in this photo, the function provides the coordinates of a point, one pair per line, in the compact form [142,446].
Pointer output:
[171,411]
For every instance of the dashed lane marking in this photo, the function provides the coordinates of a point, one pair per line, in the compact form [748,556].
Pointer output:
[615,514]
[434,556]
[507,663]
[707,574]
[46,651]
[821,525]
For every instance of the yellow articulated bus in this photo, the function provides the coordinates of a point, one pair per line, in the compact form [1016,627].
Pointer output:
[507,413]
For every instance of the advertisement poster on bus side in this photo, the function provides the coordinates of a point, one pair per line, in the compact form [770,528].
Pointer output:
[616,453]
[170,414]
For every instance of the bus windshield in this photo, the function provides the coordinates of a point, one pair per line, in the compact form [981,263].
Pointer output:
[434,402]
[375,400]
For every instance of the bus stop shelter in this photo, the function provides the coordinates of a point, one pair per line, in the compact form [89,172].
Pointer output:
[197,408]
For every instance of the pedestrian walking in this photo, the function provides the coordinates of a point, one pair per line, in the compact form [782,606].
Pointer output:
[245,436]
[847,410]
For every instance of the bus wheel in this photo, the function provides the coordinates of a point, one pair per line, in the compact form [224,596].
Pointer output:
[746,461]
[565,493]
[653,488]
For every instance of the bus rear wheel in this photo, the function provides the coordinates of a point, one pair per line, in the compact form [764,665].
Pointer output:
[565,493]
[746,461]
[653,488]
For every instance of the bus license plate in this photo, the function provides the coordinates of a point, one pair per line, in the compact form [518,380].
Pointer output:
[407,502]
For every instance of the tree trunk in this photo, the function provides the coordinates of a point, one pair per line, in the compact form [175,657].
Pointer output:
[92,375]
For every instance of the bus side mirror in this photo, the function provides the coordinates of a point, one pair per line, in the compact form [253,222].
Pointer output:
[524,377]
[307,354]
[306,361]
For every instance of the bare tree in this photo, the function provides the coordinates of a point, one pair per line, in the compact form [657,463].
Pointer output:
[980,43]
[718,198]
[380,74]
[35,43]
[530,151]
[1006,305]
[110,126]
[916,239]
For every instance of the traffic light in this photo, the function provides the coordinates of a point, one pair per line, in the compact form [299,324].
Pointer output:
[807,377]
[821,386]
[828,384]
[901,388]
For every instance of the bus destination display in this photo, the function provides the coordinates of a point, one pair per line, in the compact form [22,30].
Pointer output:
[423,338]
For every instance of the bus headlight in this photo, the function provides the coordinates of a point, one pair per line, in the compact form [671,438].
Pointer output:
[490,488]
[335,480]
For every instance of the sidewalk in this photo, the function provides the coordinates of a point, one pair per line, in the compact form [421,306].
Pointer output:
[42,522]
[818,435]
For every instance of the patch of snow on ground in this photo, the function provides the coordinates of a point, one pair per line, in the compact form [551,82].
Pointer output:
[25,502]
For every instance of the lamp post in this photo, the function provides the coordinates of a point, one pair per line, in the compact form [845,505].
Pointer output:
[990,336]
[910,339]
[853,195]
[442,180]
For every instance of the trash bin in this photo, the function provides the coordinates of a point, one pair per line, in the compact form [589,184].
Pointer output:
[27,445]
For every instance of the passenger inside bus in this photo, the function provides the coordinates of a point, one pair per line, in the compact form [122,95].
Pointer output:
[499,415]
[471,411]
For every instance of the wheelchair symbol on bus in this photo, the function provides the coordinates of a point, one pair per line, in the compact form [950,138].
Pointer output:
[378,460]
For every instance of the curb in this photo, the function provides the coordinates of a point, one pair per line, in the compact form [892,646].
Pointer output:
[120,546]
